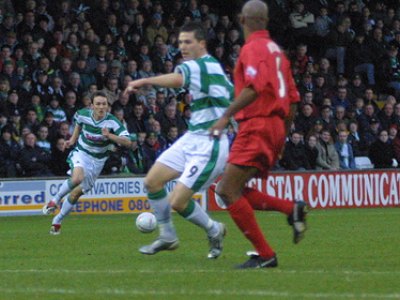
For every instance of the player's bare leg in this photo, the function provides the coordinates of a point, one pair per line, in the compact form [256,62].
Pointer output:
[230,190]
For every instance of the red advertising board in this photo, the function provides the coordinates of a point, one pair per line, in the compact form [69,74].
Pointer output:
[330,189]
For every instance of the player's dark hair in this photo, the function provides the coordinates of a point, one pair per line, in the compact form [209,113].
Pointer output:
[98,94]
[197,28]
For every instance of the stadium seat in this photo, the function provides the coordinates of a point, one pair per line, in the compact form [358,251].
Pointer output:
[363,162]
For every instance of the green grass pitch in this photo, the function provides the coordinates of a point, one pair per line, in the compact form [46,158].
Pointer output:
[347,254]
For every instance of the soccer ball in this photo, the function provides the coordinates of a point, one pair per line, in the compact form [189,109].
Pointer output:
[146,222]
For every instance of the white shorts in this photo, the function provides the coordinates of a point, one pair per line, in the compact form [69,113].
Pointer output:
[92,167]
[198,158]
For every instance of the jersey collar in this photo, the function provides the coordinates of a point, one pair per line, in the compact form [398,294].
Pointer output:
[257,35]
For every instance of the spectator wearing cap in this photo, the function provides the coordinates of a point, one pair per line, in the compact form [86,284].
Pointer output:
[381,152]
[294,156]
[345,151]
[34,160]
[9,153]
[361,58]
[371,134]
[155,28]
[43,87]
[13,103]
[356,87]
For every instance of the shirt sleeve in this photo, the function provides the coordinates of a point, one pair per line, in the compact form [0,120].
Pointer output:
[255,70]
[184,70]
[77,119]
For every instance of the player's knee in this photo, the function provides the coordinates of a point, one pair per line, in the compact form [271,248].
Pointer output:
[177,205]
[152,185]
[224,193]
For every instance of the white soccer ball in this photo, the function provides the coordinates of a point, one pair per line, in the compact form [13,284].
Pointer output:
[146,222]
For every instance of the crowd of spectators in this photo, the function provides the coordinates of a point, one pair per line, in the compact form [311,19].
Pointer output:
[53,56]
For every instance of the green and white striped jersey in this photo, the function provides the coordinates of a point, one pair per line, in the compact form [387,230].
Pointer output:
[90,139]
[211,91]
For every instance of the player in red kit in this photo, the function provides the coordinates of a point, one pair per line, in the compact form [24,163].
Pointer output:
[265,102]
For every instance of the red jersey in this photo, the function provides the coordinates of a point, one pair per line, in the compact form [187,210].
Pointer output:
[264,66]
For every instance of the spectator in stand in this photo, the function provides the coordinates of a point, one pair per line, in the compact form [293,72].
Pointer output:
[294,156]
[172,136]
[356,87]
[170,117]
[31,120]
[341,98]
[305,120]
[34,160]
[382,152]
[345,151]
[361,58]
[301,22]
[300,59]
[338,40]
[370,135]
[42,138]
[327,118]
[137,123]
[151,147]
[386,116]
[328,158]
[355,139]
[326,70]
[155,28]
[70,106]
[312,151]
[340,115]
[390,70]
[52,126]
[58,113]
[134,160]
[393,130]
[9,153]
[365,117]
[111,89]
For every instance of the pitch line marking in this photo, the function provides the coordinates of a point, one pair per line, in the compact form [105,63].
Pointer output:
[176,271]
[215,292]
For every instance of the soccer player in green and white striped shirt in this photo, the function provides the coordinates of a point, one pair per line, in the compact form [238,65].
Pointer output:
[95,131]
[195,159]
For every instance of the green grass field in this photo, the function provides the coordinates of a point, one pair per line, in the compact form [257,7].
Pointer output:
[347,254]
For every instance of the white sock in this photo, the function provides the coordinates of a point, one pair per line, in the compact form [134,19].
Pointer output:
[65,188]
[65,210]
[199,217]
[162,210]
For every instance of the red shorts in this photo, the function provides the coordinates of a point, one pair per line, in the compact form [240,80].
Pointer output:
[258,143]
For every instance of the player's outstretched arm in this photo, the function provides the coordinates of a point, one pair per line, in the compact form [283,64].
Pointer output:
[173,80]
[247,96]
